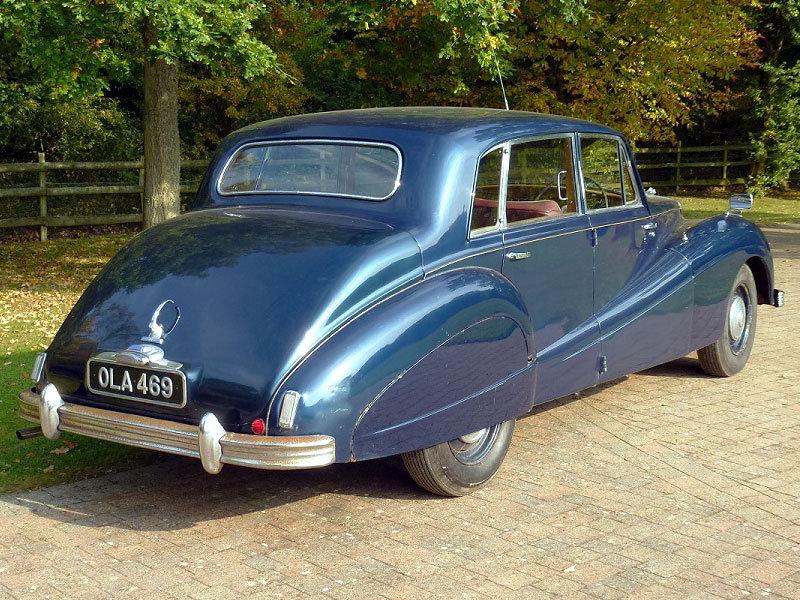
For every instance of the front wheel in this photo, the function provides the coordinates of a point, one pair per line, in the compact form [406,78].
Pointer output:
[728,355]
[462,465]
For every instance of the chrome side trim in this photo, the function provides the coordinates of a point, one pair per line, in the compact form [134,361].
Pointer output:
[534,240]
[331,141]
[256,451]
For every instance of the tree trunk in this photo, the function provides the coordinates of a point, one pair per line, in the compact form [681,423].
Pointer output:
[162,152]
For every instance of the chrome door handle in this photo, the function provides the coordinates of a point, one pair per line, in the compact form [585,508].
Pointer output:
[518,255]
[650,226]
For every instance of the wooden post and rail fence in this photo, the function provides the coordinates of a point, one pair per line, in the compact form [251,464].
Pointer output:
[663,162]
[46,189]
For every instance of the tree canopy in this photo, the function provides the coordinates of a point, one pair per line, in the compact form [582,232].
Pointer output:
[71,71]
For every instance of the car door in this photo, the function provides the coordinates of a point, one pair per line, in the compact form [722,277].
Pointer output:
[549,258]
[631,285]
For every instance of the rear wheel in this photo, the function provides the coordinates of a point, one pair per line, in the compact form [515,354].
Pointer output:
[728,355]
[462,465]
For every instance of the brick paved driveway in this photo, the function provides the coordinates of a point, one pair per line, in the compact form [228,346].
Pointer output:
[666,484]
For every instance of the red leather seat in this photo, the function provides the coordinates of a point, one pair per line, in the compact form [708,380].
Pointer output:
[484,214]
[532,209]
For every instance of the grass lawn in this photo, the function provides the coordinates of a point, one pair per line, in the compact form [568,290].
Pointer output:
[39,283]
[781,207]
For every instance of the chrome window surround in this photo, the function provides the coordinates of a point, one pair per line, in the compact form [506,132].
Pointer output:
[623,158]
[502,223]
[303,141]
[501,193]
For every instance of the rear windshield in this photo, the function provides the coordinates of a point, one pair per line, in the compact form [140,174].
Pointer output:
[353,169]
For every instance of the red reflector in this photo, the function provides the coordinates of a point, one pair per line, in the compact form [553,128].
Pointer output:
[258,426]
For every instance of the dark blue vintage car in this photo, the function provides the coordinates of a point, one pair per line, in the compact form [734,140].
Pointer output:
[359,284]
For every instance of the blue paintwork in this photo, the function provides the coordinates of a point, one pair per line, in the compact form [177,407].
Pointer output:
[398,329]
[560,300]
[257,287]
[414,356]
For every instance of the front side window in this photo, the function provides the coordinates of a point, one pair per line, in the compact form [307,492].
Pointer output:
[487,192]
[541,180]
[602,173]
[355,170]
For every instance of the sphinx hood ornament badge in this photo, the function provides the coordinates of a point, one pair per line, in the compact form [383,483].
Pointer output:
[157,329]
[151,351]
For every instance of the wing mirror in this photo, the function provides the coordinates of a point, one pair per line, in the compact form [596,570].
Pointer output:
[739,202]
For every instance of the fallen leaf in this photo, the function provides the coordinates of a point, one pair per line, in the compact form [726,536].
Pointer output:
[61,450]
[48,469]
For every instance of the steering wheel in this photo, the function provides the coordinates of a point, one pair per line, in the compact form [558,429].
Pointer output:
[542,191]
[599,187]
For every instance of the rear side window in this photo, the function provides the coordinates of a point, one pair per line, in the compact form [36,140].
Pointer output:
[368,171]
[487,191]
[602,173]
[541,180]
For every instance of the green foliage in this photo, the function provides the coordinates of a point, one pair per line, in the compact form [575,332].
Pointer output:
[776,93]
[71,70]
[68,128]
[643,67]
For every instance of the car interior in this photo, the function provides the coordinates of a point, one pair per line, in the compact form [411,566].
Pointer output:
[540,183]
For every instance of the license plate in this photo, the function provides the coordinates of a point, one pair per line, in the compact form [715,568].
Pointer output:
[143,384]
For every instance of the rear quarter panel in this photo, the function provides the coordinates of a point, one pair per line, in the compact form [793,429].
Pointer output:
[446,356]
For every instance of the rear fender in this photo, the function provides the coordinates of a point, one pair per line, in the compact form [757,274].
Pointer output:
[421,367]
[716,249]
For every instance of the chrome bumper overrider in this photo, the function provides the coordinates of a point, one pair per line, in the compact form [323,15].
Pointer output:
[209,442]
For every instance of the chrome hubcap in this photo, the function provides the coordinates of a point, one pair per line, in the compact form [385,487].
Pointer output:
[474,437]
[737,318]
[472,448]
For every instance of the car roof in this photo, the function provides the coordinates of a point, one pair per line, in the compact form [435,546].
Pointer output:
[440,148]
[486,124]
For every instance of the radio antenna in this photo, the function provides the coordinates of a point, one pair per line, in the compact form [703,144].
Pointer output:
[500,76]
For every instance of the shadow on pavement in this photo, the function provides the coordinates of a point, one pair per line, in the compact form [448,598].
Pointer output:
[682,368]
[177,494]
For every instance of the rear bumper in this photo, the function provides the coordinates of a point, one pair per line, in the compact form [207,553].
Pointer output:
[209,442]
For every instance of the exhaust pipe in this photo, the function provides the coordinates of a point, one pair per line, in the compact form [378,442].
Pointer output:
[30,432]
